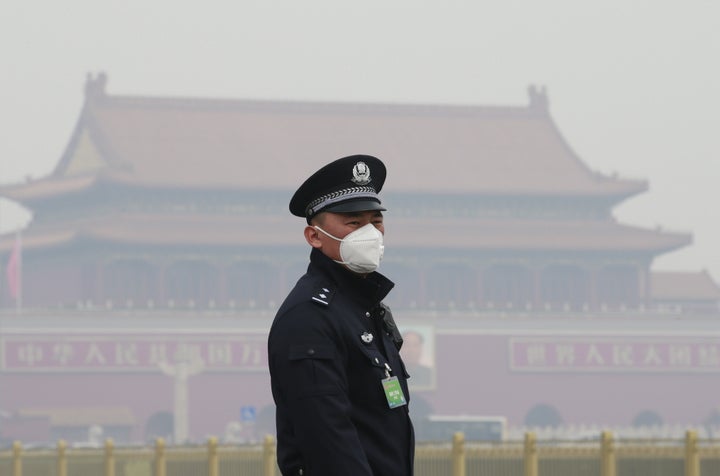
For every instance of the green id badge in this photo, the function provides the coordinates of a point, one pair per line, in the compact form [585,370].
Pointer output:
[393,392]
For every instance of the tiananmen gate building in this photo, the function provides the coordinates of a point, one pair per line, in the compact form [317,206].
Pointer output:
[161,246]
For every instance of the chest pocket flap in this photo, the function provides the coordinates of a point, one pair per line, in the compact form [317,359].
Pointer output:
[311,371]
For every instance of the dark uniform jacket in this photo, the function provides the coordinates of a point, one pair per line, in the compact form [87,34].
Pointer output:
[333,418]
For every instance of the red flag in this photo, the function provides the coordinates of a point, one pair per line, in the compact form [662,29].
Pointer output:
[14,270]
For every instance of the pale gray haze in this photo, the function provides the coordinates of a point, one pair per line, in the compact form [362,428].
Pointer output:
[634,85]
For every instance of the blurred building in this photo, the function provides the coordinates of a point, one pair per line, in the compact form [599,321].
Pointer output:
[163,236]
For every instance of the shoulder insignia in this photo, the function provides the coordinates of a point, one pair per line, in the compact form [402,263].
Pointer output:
[323,296]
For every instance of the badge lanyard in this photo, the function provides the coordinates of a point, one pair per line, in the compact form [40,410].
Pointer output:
[391,385]
[393,391]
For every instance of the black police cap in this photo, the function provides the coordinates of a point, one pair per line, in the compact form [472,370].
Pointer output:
[350,184]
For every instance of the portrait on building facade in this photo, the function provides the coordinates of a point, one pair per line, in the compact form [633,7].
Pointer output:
[418,353]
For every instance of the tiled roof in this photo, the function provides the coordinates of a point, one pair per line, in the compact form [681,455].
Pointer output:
[403,233]
[48,187]
[677,285]
[210,143]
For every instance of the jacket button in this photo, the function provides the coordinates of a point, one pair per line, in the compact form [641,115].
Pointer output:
[311,351]
[367,314]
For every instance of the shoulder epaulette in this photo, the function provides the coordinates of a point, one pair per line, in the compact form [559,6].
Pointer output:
[323,296]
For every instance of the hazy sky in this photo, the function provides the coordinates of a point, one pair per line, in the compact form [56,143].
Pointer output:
[634,85]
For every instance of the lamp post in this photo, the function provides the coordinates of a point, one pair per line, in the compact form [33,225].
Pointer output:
[186,365]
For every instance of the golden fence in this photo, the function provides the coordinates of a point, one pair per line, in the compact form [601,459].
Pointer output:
[605,456]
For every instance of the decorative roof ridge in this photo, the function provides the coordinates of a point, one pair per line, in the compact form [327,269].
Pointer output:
[95,86]
[96,96]
[318,106]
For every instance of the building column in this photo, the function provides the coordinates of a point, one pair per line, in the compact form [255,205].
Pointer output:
[643,277]
[422,287]
[537,287]
[160,284]
[221,298]
[480,287]
[593,283]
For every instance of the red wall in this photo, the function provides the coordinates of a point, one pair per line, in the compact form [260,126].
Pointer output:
[474,376]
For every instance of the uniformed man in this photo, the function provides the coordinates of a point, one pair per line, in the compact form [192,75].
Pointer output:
[338,381]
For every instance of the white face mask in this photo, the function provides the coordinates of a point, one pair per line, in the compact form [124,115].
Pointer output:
[362,250]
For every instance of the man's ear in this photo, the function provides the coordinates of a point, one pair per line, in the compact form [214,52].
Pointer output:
[312,236]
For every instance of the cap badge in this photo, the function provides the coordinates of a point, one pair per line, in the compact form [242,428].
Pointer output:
[361,173]
[366,337]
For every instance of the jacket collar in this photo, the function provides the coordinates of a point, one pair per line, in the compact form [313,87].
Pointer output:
[368,290]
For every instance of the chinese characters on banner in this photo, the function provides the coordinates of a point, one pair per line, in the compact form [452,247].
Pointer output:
[615,354]
[98,353]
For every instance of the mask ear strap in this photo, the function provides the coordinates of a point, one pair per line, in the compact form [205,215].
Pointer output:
[326,233]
